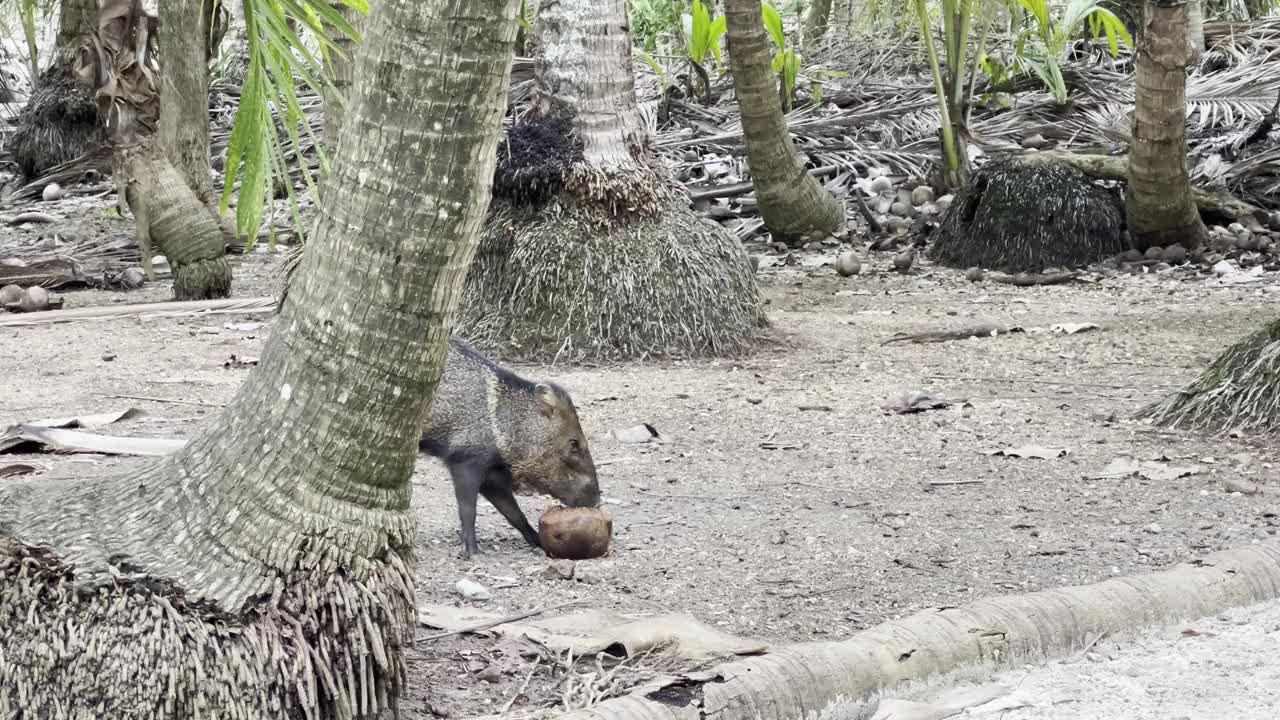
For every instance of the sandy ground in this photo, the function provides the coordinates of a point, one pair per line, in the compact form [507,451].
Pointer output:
[1227,666]
[783,504]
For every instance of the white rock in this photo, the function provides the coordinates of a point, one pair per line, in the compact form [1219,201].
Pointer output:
[472,590]
[53,191]
[1223,268]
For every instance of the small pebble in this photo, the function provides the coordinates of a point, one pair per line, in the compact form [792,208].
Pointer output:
[53,191]
[472,590]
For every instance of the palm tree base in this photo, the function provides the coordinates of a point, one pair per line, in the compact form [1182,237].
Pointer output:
[1240,390]
[1020,217]
[570,280]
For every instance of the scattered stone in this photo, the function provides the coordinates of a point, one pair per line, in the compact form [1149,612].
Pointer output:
[1223,267]
[559,570]
[848,264]
[472,590]
[133,278]
[1245,241]
[1154,253]
[11,295]
[921,195]
[903,261]
[108,356]
[974,274]
[1131,255]
[902,209]
[1034,142]
[1175,254]
[930,209]
[945,201]
[897,224]
[1237,229]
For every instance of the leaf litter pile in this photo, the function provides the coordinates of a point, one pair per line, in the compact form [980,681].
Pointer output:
[919,437]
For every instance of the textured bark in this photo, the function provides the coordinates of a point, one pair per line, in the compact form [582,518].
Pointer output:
[586,73]
[77,19]
[340,71]
[265,570]
[1161,209]
[184,92]
[815,23]
[806,679]
[793,205]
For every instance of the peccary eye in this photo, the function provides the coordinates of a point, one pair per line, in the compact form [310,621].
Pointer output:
[573,445]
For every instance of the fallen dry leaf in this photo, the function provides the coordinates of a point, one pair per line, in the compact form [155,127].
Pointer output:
[1151,470]
[1038,452]
[34,438]
[240,362]
[913,401]
[16,469]
[1073,328]
[88,421]
[642,433]
[1244,487]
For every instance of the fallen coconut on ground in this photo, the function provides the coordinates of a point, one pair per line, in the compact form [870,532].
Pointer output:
[574,533]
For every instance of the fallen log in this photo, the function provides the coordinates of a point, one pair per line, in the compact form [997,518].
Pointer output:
[801,680]
[1221,205]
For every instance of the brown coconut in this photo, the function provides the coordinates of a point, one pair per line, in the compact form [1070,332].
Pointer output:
[575,533]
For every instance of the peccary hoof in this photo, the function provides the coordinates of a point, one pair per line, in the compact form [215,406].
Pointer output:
[573,533]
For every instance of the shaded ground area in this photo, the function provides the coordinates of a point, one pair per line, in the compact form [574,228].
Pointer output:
[783,504]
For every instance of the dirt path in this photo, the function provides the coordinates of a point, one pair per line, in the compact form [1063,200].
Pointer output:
[783,504]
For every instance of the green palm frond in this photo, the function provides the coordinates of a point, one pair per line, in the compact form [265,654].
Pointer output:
[279,58]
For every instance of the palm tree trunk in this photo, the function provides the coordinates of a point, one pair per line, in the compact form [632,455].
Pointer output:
[793,205]
[1160,207]
[266,569]
[587,74]
[185,51]
[815,24]
[340,70]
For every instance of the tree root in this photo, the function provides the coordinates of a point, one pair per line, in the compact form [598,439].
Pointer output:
[802,680]
[1033,279]
[1221,205]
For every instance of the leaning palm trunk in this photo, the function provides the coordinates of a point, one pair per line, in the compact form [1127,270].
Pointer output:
[1161,209]
[161,159]
[793,205]
[592,249]
[266,569]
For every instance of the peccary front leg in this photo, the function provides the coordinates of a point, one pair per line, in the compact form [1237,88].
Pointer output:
[467,480]
[497,490]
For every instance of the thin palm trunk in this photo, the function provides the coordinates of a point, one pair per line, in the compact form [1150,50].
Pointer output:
[1195,28]
[266,569]
[793,205]
[185,51]
[1160,207]
[815,23]
[77,19]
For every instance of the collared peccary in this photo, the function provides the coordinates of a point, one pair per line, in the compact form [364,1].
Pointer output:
[499,434]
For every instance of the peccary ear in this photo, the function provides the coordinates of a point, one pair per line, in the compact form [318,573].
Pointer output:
[549,401]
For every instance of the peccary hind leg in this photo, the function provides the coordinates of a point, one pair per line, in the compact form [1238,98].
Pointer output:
[467,480]
[497,490]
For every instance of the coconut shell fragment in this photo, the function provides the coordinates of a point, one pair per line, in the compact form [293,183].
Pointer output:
[574,533]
